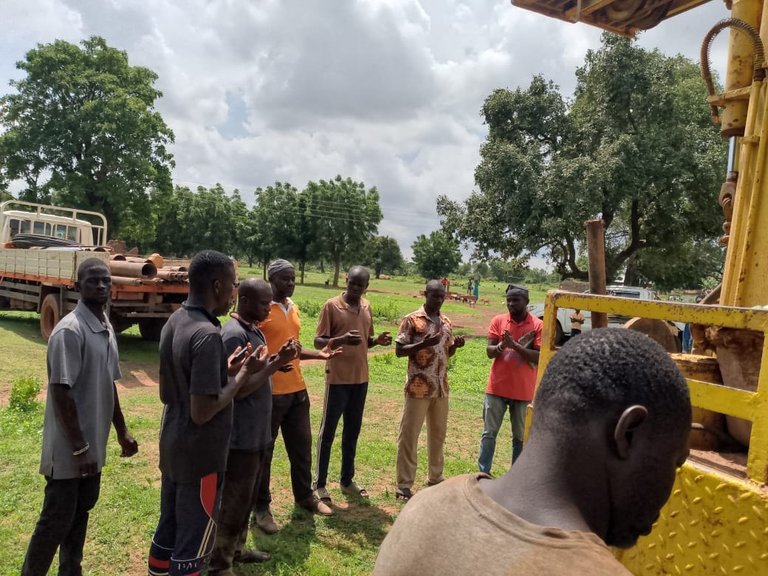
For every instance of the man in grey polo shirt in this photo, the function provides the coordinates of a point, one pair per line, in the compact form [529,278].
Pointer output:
[82,403]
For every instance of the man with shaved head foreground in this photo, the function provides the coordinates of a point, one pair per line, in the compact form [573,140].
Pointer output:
[599,464]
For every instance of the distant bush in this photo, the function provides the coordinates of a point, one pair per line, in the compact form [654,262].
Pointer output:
[309,308]
[24,391]
[387,312]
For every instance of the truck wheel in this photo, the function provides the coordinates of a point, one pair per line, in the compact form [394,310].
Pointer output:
[50,314]
[150,328]
[559,334]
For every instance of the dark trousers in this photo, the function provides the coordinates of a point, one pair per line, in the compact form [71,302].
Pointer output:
[290,414]
[243,475]
[62,524]
[186,530]
[347,401]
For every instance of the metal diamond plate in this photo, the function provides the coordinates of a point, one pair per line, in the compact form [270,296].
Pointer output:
[712,525]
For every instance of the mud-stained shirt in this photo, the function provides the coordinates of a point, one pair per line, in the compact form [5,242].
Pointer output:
[428,368]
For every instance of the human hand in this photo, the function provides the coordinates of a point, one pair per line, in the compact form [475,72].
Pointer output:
[236,359]
[128,445]
[384,339]
[329,352]
[256,361]
[86,464]
[432,340]
[458,341]
[507,340]
[288,351]
[352,338]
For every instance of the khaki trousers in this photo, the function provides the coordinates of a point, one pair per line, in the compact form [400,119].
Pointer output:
[415,410]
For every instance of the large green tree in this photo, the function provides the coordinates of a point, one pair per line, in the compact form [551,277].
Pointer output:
[207,218]
[345,217]
[382,253]
[272,231]
[435,255]
[634,147]
[81,130]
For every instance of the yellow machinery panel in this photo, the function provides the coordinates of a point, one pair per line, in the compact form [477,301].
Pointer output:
[712,525]
[715,522]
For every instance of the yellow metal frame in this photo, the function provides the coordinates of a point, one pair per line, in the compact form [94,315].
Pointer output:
[713,524]
[751,406]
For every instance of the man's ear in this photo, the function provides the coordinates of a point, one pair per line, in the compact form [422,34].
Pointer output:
[629,422]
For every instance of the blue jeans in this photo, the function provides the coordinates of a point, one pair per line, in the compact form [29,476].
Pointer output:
[494,408]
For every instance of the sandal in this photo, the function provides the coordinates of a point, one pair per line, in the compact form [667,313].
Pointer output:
[352,489]
[323,494]
[403,494]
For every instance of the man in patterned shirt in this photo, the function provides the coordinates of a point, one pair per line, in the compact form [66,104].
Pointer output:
[427,340]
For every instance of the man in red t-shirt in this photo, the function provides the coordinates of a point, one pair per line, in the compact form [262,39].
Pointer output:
[514,340]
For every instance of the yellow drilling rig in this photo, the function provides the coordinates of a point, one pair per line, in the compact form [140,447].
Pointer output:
[716,521]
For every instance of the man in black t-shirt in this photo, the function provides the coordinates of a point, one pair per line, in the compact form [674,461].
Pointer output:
[251,429]
[197,391]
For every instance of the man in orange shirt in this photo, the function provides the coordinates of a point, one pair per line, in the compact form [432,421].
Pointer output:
[514,340]
[290,401]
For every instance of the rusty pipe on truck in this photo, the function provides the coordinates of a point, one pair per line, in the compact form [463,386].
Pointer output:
[133,269]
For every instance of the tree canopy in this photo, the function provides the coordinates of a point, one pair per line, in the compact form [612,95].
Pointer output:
[81,131]
[435,255]
[634,147]
[383,254]
[345,216]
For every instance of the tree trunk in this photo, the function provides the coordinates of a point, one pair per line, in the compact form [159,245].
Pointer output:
[301,270]
[336,268]
[631,276]
[264,263]
[377,269]
[322,266]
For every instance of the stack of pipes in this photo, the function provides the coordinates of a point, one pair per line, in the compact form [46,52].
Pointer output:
[135,271]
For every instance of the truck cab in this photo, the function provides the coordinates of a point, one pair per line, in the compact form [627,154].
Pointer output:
[80,227]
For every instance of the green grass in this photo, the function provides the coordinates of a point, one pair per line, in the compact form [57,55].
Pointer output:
[124,519]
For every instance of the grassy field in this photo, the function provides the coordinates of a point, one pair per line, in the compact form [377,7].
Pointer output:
[122,523]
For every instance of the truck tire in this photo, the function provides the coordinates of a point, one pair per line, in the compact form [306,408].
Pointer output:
[559,334]
[150,328]
[50,314]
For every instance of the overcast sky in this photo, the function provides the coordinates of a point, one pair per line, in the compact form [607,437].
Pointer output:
[384,91]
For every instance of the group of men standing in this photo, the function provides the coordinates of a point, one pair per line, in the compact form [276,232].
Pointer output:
[228,391]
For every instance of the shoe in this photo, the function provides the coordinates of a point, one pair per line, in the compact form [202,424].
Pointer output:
[352,489]
[431,483]
[323,494]
[403,494]
[251,556]
[266,522]
[316,506]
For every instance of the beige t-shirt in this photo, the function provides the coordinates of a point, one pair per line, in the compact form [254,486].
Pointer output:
[336,319]
[455,528]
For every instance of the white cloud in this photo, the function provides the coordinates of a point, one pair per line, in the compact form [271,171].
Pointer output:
[386,91]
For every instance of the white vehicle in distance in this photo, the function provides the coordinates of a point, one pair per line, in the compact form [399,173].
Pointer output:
[563,329]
